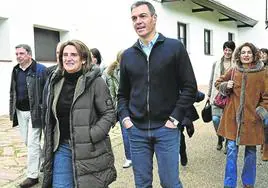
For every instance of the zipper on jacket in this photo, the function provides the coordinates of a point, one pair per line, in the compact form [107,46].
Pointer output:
[148,92]
[72,147]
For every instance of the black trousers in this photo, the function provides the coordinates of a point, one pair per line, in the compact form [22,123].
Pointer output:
[182,143]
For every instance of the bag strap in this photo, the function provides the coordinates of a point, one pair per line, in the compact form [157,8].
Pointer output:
[232,74]
[207,103]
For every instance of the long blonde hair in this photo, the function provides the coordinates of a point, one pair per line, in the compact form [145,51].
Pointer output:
[115,64]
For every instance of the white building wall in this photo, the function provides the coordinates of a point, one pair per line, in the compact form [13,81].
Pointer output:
[258,35]
[4,38]
[171,13]
[107,26]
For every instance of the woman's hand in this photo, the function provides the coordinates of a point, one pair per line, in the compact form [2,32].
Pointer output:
[230,84]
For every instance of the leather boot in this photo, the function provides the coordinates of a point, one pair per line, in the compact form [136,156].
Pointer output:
[220,140]
[265,145]
[28,182]
[265,152]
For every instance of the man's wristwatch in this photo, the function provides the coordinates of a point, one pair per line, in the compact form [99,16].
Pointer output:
[174,121]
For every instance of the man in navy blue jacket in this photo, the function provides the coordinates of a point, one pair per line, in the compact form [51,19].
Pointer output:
[27,82]
[157,85]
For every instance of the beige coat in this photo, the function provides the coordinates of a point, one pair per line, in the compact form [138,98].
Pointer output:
[216,72]
[247,130]
[265,146]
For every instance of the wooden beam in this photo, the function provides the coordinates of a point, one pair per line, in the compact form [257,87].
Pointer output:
[5,61]
[226,19]
[244,25]
[202,9]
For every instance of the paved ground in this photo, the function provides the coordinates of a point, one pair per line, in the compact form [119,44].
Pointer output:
[204,170]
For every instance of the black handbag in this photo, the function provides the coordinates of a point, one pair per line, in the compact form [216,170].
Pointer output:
[206,112]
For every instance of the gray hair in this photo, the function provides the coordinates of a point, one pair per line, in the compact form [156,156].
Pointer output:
[148,4]
[26,47]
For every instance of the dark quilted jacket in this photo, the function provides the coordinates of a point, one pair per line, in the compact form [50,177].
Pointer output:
[92,116]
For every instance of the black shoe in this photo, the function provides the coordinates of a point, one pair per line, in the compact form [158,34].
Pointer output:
[42,167]
[220,140]
[184,159]
[29,182]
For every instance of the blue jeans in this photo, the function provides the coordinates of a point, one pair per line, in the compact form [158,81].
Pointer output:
[126,142]
[249,169]
[165,143]
[63,168]
[216,122]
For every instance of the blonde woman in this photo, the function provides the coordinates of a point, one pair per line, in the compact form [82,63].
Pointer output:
[112,76]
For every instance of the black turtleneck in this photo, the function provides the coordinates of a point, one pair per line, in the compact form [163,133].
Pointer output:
[65,102]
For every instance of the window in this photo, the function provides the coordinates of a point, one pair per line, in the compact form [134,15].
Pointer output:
[230,36]
[266,10]
[182,35]
[207,42]
[45,42]
[5,52]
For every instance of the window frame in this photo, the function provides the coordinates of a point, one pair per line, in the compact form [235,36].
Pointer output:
[45,43]
[230,36]
[207,42]
[183,39]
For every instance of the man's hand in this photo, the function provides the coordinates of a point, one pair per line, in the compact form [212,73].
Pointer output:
[170,125]
[128,123]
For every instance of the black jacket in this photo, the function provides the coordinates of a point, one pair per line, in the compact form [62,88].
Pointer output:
[35,80]
[191,112]
[149,90]
[91,117]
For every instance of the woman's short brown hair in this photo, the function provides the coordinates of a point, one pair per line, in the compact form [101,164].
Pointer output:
[83,52]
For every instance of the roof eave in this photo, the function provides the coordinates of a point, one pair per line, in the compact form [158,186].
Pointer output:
[222,9]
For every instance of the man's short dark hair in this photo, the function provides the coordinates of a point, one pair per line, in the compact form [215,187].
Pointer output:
[264,50]
[96,53]
[229,44]
[26,47]
[148,4]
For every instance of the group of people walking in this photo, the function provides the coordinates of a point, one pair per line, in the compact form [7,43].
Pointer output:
[150,89]
[243,78]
